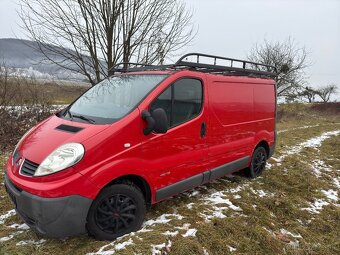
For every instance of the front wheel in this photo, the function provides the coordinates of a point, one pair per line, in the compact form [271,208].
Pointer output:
[118,210]
[258,162]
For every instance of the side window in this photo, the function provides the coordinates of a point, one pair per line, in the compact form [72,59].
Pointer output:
[187,100]
[181,101]
[164,101]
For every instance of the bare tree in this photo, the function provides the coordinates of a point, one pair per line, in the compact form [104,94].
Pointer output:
[289,61]
[326,92]
[91,36]
[309,93]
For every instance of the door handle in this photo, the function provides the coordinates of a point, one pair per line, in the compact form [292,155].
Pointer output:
[203,129]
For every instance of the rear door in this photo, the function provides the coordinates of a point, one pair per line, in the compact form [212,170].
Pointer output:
[179,154]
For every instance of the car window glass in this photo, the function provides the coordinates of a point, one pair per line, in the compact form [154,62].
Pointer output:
[187,100]
[163,101]
[181,101]
[115,97]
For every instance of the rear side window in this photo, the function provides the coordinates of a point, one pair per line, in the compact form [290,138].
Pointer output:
[182,101]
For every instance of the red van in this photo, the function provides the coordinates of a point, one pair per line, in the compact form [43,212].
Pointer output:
[138,137]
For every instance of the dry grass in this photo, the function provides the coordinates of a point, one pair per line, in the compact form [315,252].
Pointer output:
[30,91]
[268,206]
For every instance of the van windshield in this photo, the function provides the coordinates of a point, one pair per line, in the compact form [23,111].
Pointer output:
[113,98]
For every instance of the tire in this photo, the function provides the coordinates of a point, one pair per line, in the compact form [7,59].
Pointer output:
[258,162]
[118,210]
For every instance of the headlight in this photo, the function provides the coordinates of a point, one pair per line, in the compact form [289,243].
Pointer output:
[65,156]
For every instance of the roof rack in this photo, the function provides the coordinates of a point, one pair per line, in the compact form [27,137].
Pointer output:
[205,63]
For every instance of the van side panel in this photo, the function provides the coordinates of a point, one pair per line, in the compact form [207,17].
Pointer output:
[230,130]
[231,103]
[264,113]
[242,114]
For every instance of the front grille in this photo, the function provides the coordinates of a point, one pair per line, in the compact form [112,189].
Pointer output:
[28,168]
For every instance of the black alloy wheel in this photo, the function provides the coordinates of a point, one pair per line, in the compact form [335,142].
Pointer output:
[118,210]
[258,162]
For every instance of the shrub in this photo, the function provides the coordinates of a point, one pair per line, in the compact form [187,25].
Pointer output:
[22,104]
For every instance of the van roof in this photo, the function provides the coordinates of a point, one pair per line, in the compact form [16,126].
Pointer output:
[202,63]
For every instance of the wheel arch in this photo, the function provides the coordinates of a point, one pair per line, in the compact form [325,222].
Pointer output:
[138,181]
[264,144]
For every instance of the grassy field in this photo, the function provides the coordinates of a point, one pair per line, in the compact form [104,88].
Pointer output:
[293,208]
[17,91]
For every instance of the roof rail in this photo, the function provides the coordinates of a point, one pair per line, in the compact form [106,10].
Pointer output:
[230,66]
[233,66]
[125,66]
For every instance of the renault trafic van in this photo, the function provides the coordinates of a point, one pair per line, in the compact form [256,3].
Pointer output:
[138,137]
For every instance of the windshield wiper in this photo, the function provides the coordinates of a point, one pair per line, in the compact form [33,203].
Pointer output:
[69,113]
[83,118]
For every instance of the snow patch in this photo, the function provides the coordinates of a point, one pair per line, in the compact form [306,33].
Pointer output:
[193,193]
[189,206]
[190,232]
[261,193]
[237,189]
[269,165]
[123,245]
[169,233]
[11,236]
[316,207]
[337,182]
[31,242]
[7,215]
[116,247]
[163,219]
[317,141]
[331,194]
[6,238]
[217,199]
[231,249]
[215,213]
[286,232]
[19,226]
[157,249]
[319,166]
[314,142]
[184,227]
[205,252]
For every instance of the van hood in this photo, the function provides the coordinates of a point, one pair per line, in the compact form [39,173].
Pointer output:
[53,132]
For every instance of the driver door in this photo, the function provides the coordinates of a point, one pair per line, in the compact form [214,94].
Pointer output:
[174,159]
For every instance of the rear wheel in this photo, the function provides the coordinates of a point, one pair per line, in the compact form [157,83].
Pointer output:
[118,210]
[258,162]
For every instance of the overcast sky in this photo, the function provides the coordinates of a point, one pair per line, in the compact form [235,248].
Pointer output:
[230,28]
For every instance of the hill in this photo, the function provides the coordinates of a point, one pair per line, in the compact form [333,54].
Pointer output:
[22,59]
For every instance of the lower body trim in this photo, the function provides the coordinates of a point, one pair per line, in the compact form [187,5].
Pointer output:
[202,178]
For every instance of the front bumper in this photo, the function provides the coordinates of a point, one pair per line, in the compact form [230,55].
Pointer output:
[53,217]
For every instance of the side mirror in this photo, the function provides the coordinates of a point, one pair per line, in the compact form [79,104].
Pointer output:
[157,121]
[146,115]
[161,126]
